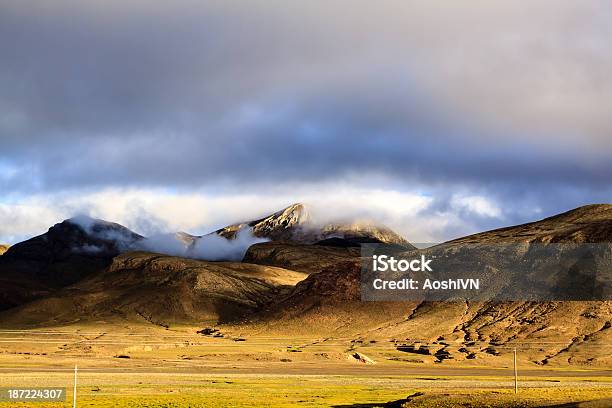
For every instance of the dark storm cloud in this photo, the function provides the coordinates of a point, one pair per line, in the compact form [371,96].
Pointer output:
[508,100]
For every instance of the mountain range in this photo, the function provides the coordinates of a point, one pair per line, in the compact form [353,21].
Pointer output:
[301,275]
[81,247]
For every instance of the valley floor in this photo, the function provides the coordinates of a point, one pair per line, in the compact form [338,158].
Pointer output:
[148,366]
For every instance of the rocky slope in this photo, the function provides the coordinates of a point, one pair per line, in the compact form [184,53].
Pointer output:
[3,248]
[549,332]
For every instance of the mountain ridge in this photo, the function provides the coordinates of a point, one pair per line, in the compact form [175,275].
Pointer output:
[295,224]
[585,224]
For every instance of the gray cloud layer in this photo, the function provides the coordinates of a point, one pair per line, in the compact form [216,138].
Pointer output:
[510,100]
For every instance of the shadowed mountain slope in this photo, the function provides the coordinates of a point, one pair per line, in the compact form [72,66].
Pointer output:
[68,252]
[298,257]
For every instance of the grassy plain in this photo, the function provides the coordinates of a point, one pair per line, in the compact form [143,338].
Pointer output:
[148,366]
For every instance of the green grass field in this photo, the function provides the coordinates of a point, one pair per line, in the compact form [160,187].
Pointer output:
[244,390]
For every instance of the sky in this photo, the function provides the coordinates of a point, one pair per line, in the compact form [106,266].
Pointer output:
[436,118]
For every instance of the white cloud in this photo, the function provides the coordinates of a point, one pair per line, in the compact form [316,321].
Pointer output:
[23,220]
[216,248]
[478,205]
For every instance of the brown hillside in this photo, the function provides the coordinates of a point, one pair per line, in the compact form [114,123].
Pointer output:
[162,290]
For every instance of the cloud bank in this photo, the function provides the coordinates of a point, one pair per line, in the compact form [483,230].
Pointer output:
[418,217]
[210,247]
